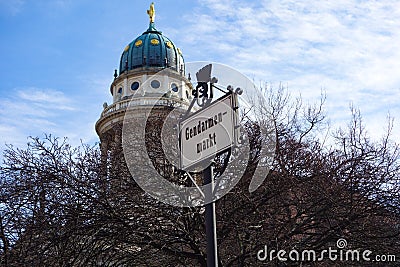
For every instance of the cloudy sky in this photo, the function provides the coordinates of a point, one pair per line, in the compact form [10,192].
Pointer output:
[57,57]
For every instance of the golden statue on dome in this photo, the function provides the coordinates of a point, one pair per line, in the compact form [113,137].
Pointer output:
[152,13]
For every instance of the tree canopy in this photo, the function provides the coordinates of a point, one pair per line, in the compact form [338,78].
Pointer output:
[58,207]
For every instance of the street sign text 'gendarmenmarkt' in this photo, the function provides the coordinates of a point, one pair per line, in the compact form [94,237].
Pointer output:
[208,131]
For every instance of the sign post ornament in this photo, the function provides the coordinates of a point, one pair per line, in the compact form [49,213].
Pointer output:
[190,140]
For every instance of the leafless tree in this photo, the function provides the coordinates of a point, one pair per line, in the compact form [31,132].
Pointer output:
[59,207]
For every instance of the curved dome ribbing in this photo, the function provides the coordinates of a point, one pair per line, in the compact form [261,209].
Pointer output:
[149,50]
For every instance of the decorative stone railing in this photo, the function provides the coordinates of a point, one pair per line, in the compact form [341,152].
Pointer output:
[143,101]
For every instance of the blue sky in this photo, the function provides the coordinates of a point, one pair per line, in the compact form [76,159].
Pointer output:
[57,57]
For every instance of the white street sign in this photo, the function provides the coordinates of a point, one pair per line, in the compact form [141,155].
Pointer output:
[208,131]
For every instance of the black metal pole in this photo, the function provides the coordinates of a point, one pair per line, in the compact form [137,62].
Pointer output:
[211,225]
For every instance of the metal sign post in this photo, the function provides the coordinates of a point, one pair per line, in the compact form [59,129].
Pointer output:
[211,224]
[204,134]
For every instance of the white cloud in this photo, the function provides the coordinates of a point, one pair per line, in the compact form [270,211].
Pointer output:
[46,99]
[33,112]
[11,7]
[347,48]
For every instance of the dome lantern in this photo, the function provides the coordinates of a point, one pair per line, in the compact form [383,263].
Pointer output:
[152,50]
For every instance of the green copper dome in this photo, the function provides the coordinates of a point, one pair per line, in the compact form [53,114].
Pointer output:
[151,50]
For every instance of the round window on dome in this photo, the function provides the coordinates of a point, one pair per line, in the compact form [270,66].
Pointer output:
[135,86]
[174,87]
[119,90]
[155,84]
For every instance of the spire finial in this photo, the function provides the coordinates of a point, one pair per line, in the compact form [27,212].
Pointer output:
[152,13]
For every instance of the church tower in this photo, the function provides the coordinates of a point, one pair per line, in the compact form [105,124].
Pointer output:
[151,76]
